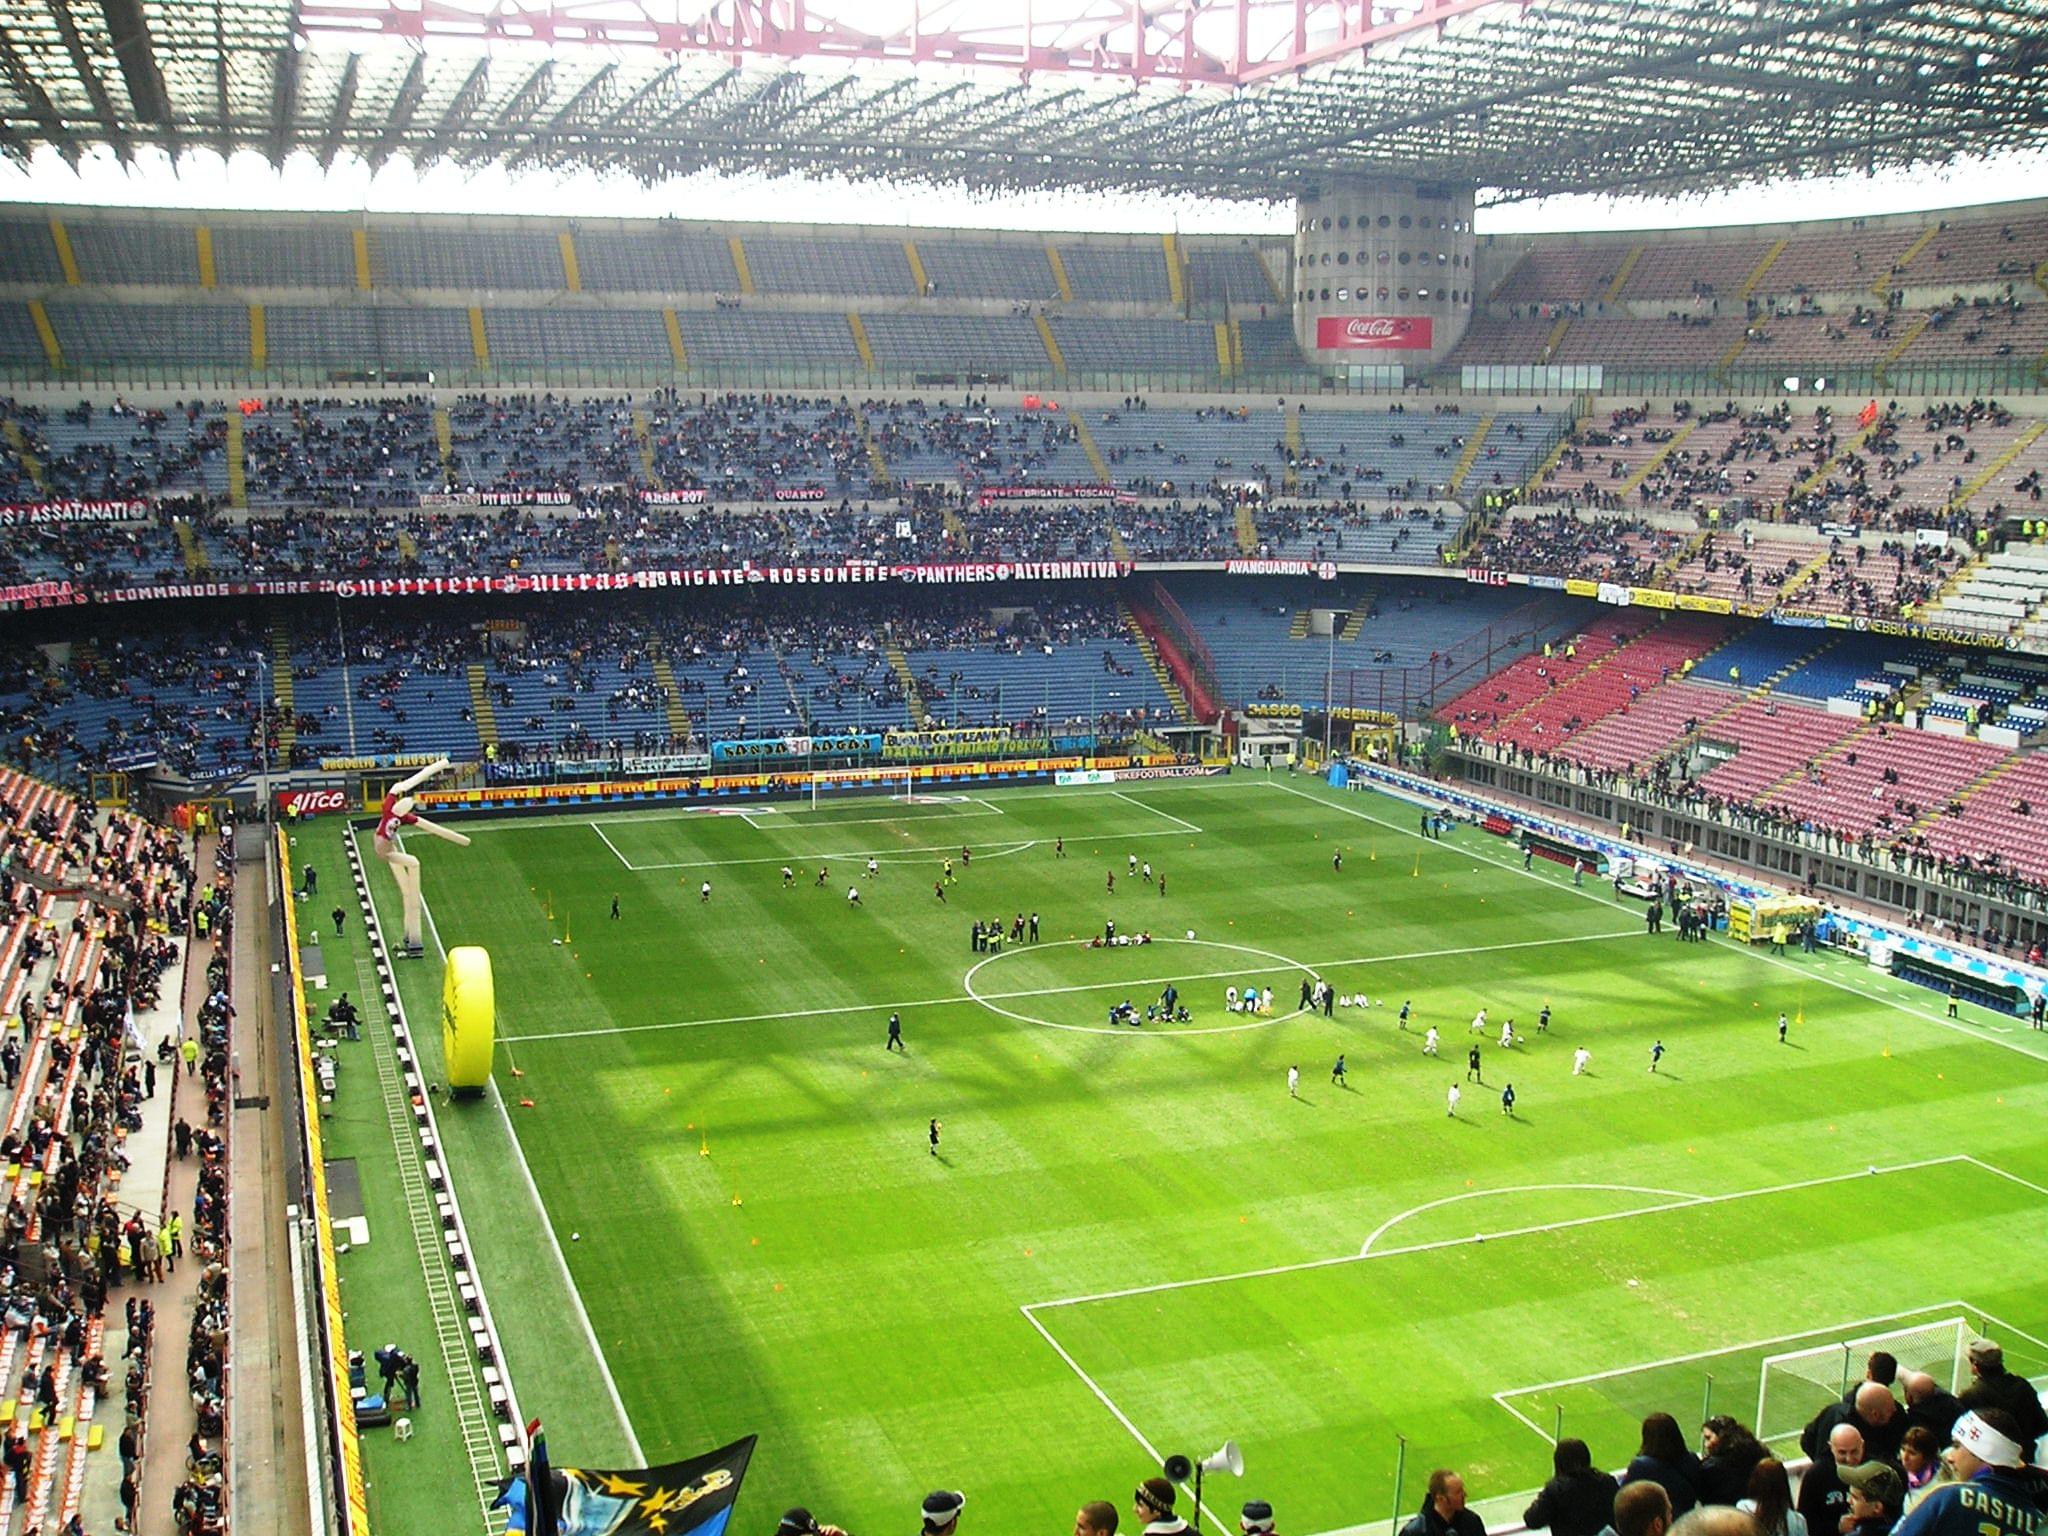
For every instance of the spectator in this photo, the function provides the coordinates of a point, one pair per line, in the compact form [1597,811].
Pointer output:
[1876,1491]
[1666,1460]
[1930,1406]
[1256,1518]
[1920,1460]
[1823,1496]
[1641,1509]
[1996,1387]
[1152,1505]
[941,1512]
[1769,1500]
[1577,1501]
[1716,1520]
[1097,1518]
[1443,1511]
[1732,1455]
[1994,1493]
[1873,1410]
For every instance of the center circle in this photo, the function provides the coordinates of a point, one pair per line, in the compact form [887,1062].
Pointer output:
[994,1006]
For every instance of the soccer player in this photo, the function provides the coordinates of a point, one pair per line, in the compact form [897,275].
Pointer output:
[1146,871]
[1429,1042]
[1507,1101]
[1580,1058]
[1059,847]
[1337,1073]
[873,869]
[823,875]
[1472,1072]
[1406,1005]
[949,873]
[1130,863]
[1230,999]
[853,896]
[1953,994]
[1455,1094]
[939,889]
[896,1034]
[788,877]
[1479,1022]
[1310,991]
[1508,1037]
[1528,854]
[934,1134]
[966,857]
[1294,1082]
[1162,882]
[615,913]
[1034,927]
[704,892]
[1543,1020]
[1656,1054]
[1109,881]
[1337,863]
[1783,1025]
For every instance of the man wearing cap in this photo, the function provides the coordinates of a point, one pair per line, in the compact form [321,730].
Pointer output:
[1876,1494]
[800,1522]
[1443,1511]
[1996,1387]
[1994,1494]
[1256,1519]
[942,1512]
[1152,1505]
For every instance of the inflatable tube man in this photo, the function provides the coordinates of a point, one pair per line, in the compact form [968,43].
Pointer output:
[396,814]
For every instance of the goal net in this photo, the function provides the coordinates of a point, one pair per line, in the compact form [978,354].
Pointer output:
[1796,1385]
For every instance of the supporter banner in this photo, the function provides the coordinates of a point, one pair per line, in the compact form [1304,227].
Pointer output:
[852,573]
[1322,570]
[1485,578]
[41,594]
[693,498]
[1550,583]
[1579,586]
[1798,620]
[990,493]
[124,511]
[495,498]
[959,741]
[1273,711]
[1364,716]
[371,762]
[560,770]
[1609,592]
[1652,597]
[1705,604]
[797,493]
[310,802]
[844,745]
[1376,333]
[1083,776]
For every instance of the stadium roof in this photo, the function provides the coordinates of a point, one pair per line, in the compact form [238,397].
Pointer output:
[1247,99]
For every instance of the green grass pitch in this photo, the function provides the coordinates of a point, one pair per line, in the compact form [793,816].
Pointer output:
[1134,1241]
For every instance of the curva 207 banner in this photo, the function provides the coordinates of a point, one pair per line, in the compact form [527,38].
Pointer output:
[1376,333]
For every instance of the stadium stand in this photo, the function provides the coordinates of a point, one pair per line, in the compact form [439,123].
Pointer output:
[665,259]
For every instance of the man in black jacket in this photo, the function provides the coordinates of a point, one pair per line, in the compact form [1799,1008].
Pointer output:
[1823,1496]
[1930,1405]
[1996,1387]
[1874,1413]
[1443,1511]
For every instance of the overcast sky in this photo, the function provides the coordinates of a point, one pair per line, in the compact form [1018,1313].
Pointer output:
[203,180]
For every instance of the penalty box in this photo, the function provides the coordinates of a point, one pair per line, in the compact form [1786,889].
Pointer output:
[1407,1341]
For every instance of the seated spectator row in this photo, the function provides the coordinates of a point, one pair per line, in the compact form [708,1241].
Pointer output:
[193,250]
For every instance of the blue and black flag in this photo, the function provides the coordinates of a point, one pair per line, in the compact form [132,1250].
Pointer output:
[684,1498]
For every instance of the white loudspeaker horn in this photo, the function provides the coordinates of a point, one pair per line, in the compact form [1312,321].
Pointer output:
[1226,1458]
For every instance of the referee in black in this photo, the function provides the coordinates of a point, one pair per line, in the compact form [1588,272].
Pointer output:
[896,1034]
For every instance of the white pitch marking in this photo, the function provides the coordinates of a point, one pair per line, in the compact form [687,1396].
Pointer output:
[1391,1222]
[611,845]
[1537,1229]
[1185,826]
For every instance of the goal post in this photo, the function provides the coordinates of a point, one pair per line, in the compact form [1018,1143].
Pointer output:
[1792,1387]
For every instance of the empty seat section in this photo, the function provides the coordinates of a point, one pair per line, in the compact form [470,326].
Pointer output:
[947,344]
[784,264]
[962,269]
[1126,274]
[360,338]
[215,335]
[284,255]
[759,339]
[470,259]
[119,251]
[1092,345]
[594,337]
[659,261]
[28,251]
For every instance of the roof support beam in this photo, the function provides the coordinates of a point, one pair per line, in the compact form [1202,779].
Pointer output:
[410,92]
[344,103]
[89,76]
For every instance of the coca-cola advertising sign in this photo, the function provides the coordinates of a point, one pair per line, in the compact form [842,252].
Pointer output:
[1375,333]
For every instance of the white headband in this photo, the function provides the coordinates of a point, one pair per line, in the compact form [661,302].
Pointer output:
[1986,1443]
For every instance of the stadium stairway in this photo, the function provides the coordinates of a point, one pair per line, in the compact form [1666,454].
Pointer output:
[281,688]
[1247,531]
[188,543]
[1150,652]
[1756,273]
[1089,446]
[913,696]
[1290,478]
[878,463]
[1820,474]
[1354,624]
[1808,573]
[672,700]
[1999,465]
[1962,797]
[1623,273]
[17,444]
[1470,456]
[1656,460]
[238,463]
[444,439]
[1898,348]
[1298,630]
[956,530]
[480,707]
[643,444]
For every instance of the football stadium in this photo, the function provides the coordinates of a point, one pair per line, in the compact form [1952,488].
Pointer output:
[688,849]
